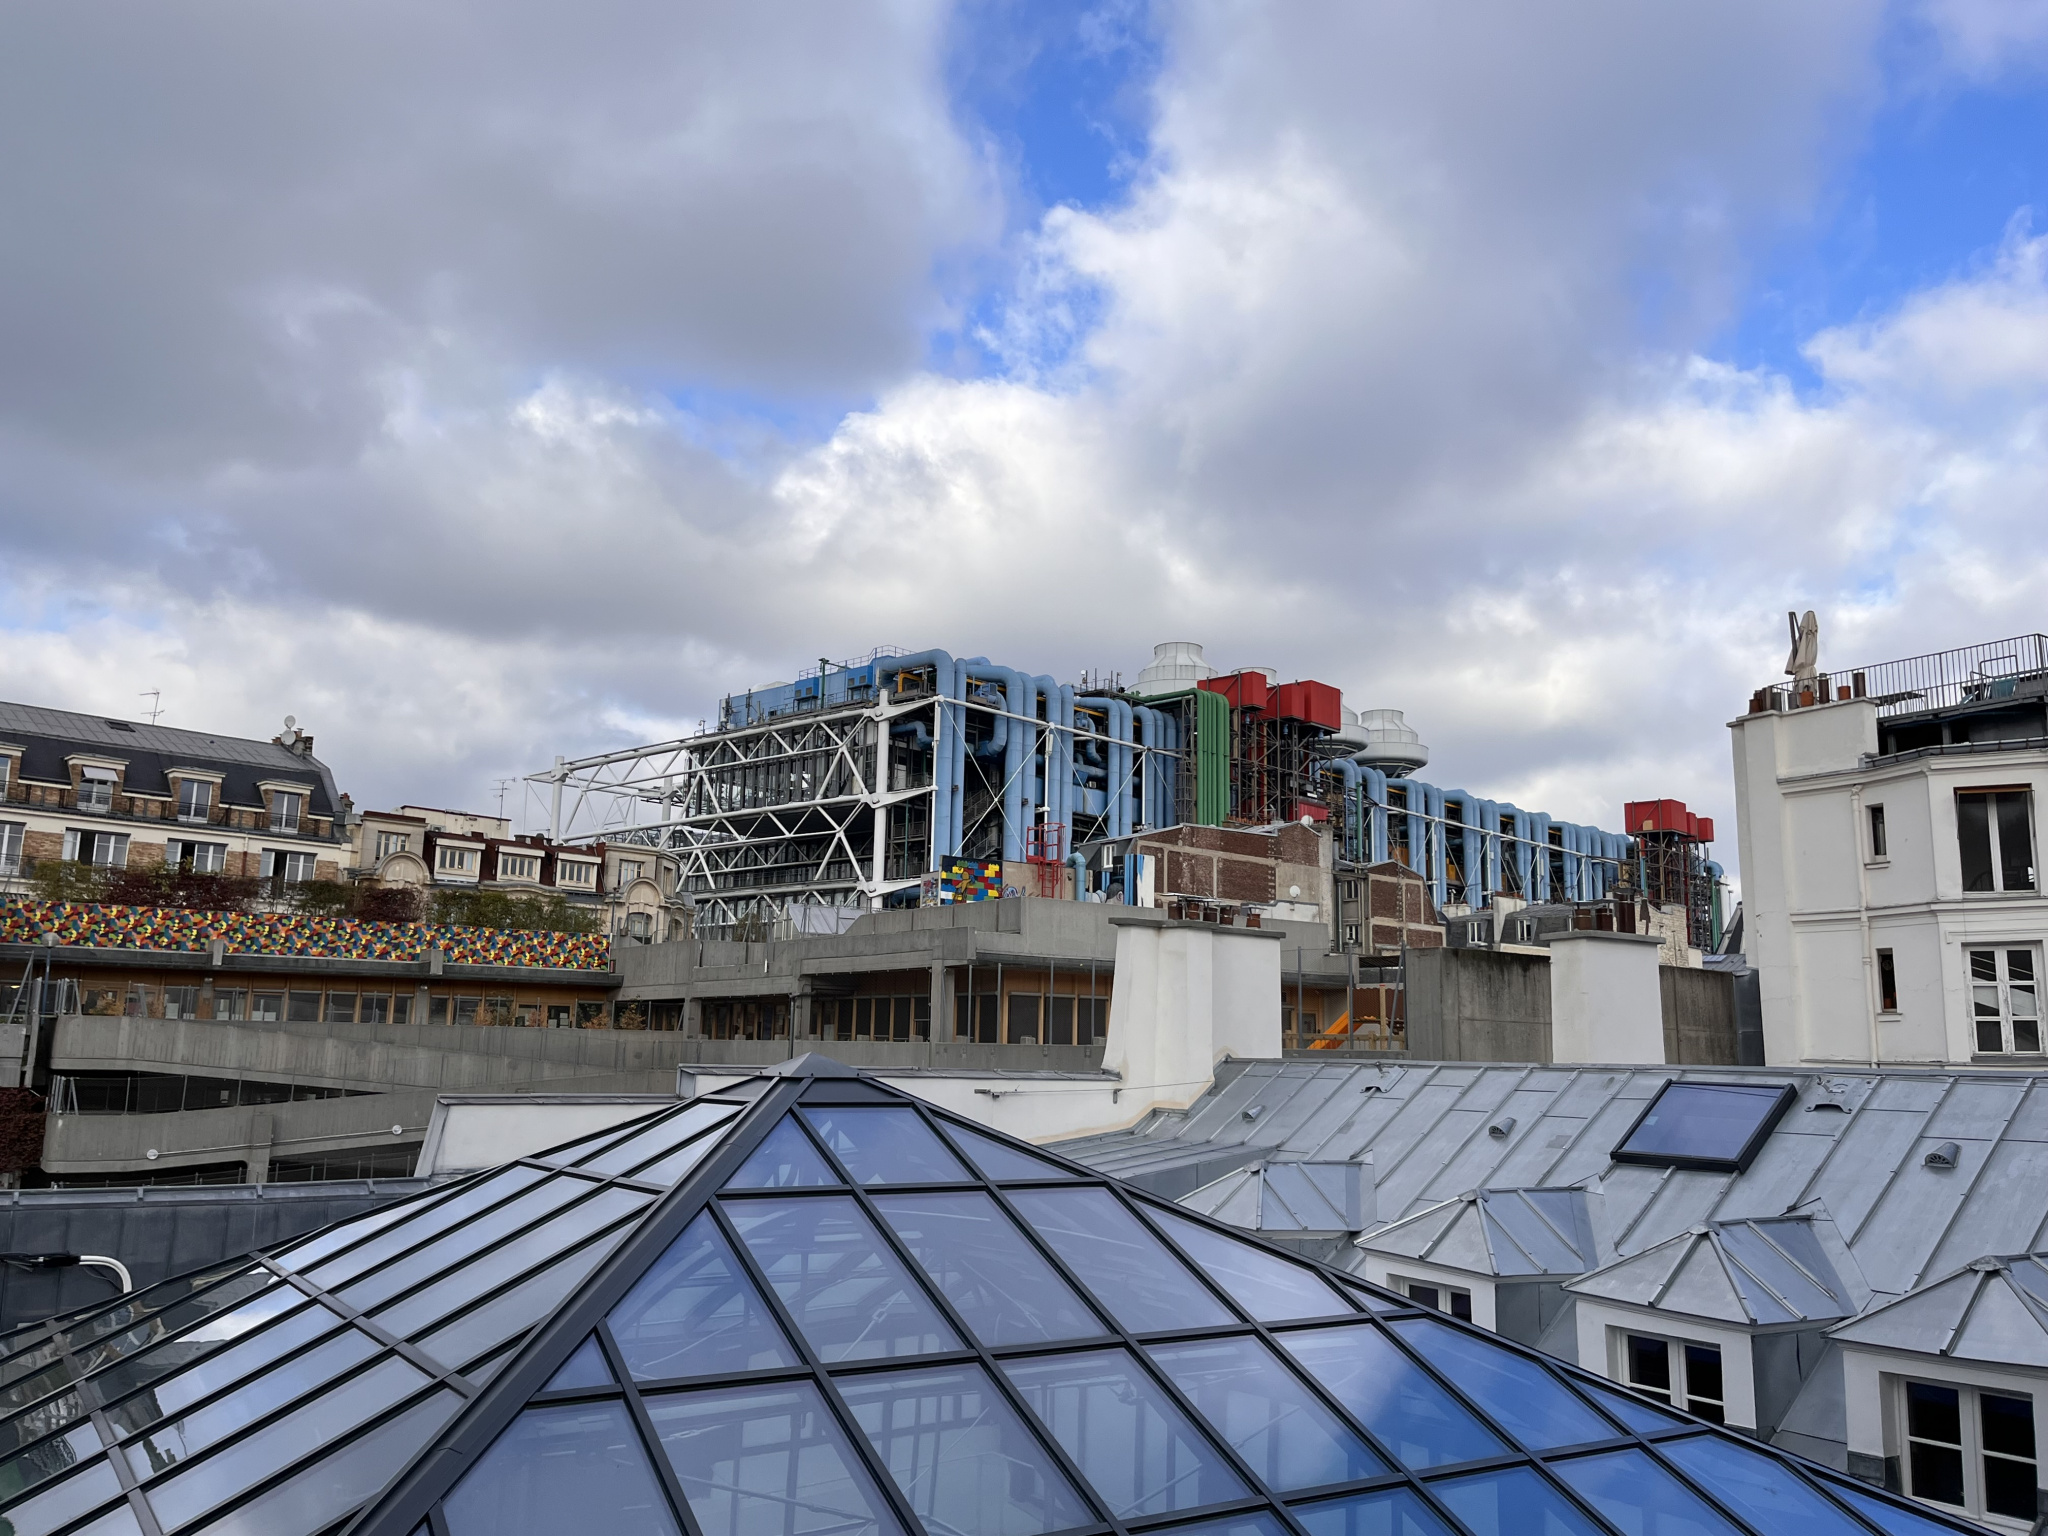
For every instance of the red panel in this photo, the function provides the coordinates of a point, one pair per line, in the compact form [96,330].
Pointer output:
[1245,690]
[1315,810]
[1317,703]
[1639,816]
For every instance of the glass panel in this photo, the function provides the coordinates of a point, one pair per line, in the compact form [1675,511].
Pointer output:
[961,1454]
[999,1160]
[997,1282]
[1759,1488]
[767,1461]
[1640,1498]
[475,1275]
[61,1502]
[164,1445]
[1269,1287]
[513,1311]
[695,1313]
[322,1494]
[1388,1393]
[881,1145]
[1274,1422]
[1517,1393]
[848,1293]
[1973,836]
[1648,1364]
[1984,965]
[1139,1452]
[1259,1524]
[216,1372]
[1899,1519]
[585,1368]
[1516,1502]
[663,1137]
[119,1521]
[1703,1381]
[1706,1122]
[422,1222]
[47,1459]
[1390,1512]
[452,1248]
[1630,1409]
[2015,848]
[784,1160]
[569,1467]
[304,1323]
[306,1431]
[1129,1270]
[671,1169]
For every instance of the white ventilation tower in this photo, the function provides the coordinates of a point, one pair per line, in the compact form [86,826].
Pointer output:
[1388,742]
[1176,667]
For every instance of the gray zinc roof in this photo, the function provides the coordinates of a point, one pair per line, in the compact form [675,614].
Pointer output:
[1852,1147]
[1764,1273]
[1993,1309]
[1505,1232]
[1307,1198]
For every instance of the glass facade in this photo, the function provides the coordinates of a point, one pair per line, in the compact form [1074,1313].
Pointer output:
[823,1309]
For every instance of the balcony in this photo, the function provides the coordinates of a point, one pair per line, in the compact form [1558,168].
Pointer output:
[1996,673]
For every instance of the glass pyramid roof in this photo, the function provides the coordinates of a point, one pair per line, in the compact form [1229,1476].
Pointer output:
[816,1307]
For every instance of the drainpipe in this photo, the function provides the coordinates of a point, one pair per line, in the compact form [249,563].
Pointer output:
[1870,999]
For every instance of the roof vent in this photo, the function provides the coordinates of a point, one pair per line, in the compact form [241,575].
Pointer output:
[120,725]
[1947,1155]
[1502,1128]
[1255,1111]
[1835,1104]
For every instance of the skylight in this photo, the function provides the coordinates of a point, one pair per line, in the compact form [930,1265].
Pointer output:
[1718,1126]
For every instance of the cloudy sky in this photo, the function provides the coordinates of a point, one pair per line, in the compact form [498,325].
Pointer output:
[485,381]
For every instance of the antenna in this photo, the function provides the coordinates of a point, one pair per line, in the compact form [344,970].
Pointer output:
[503,785]
[156,698]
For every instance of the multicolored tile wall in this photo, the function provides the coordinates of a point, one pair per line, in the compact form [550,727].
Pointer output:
[24,920]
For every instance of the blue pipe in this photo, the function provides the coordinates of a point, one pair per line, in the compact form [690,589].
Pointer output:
[1119,765]
[1064,779]
[1148,735]
[1539,834]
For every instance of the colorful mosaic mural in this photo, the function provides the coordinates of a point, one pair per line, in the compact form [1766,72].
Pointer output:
[24,920]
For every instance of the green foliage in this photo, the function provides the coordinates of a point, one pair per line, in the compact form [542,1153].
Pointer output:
[68,880]
[322,898]
[497,909]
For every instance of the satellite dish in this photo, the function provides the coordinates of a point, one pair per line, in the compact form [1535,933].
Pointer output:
[291,722]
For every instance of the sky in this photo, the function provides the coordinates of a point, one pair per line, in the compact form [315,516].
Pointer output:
[479,383]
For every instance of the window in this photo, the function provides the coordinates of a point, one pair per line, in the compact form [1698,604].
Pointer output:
[291,868]
[1718,1126]
[1995,830]
[266,1008]
[455,861]
[107,850]
[1439,1298]
[1877,843]
[1672,1371]
[1351,933]
[1887,983]
[302,1007]
[631,870]
[10,844]
[401,1009]
[196,858]
[230,1003]
[575,872]
[341,1007]
[195,800]
[375,1008]
[284,810]
[6,776]
[558,1016]
[518,866]
[1971,1448]
[96,789]
[2005,1000]
[181,1002]
[389,843]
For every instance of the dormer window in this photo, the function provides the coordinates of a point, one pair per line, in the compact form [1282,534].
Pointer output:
[518,866]
[96,789]
[284,810]
[456,861]
[568,872]
[195,800]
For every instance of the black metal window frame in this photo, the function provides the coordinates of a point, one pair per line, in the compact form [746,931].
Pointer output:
[1787,1094]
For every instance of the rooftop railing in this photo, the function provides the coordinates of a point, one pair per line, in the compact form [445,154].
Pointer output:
[1995,671]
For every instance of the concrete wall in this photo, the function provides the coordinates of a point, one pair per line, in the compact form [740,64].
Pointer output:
[1699,1017]
[1483,1005]
[1478,1005]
